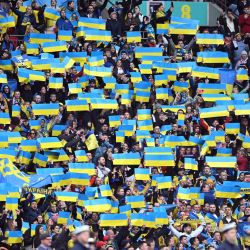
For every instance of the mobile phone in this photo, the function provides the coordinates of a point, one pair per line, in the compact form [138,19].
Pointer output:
[172,4]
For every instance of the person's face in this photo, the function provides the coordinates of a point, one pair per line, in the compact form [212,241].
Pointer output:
[53,3]
[223,176]
[188,151]
[161,8]
[175,127]
[188,229]
[71,5]
[105,127]
[230,15]
[197,208]
[217,236]
[17,95]
[212,208]
[90,9]
[83,237]
[102,161]
[63,14]
[228,211]
[114,16]
[244,121]
[181,44]
[34,205]
[41,230]
[238,38]
[130,15]
[126,115]
[89,155]
[6,89]
[157,130]
[39,219]
[121,192]
[57,229]
[144,246]
[137,9]
[230,236]
[28,10]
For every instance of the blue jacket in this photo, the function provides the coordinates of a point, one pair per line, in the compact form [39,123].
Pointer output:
[64,24]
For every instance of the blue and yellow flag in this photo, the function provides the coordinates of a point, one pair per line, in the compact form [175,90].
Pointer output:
[119,136]
[4,118]
[133,36]
[136,201]
[66,196]
[6,65]
[213,39]
[161,79]
[164,182]
[77,105]
[85,168]
[127,159]
[110,220]
[190,164]
[97,71]
[40,160]
[242,75]
[162,28]
[125,209]
[93,23]
[81,156]
[212,57]
[142,174]
[104,104]
[185,29]
[98,205]
[135,77]
[79,57]
[105,190]
[242,109]
[227,192]
[145,125]
[183,193]
[40,38]
[143,114]
[221,162]
[15,237]
[136,219]
[98,35]
[224,152]
[55,83]
[114,120]
[45,109]
[49,142]
[3,78]
[32,49]
[142,96]
[11,204]
[7,22]
[64,35]
[212,88]
[56,46]
[147,51]
[214,112]
[51,13]
[203,72]
[159,160]
[63,217]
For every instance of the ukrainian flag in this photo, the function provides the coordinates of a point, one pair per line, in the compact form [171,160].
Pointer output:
[95,61]
[161,79]
[66,196]
[110,220]
[136,219]
[161,218]
[81,156]
[194,192]
[180,20]
[212,88]
[57,129]
[105,190]
[63,217]
[25,226]
[40,160]
[142,174]
[54,46]
[51,13]
[180,86]
[125,209]
[213,57]
[144,114]
[133,36]
[119,136]
[97,71]
[93,23]
[159,160]
[104,104]
[190,164]
[136,201]
[3,78]
[185,67]
[142,86]
[162,93]
[75,88]
[15,237]
[55,83]
[224,151]
[185,29]
[221,162]
[213,112]
[183,193]
[77,105]
[145,125]
[34,124]
[164,182]
[227,192]
[79,57]
[97,35]
[218,135]
[32,49]
[142,134]
[7,22]
[213,39]
[173,140]
[246,142]
[49,142]
[4,141]
[121,89]
[232,128]
[91,142]
[149,220]
[203,72]
[11,204]
[4,118]
[41,38]
[85,168]
[242,75]
[68,62]
[15,111]
[241,96]
[114,120]
[97,205]
[45,109]
[24,157]
[44,64]
[127,159]
[171,74]
[145,69]
[64,35]
[80,32]
[142,96]
[110,82]
[152,59]
[6,65]
[215,97]
[147,51]
[242,109]
[162,28]
[135,77]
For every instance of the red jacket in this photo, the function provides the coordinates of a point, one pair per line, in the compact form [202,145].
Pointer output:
[244,24]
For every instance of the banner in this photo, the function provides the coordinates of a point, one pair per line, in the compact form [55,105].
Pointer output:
[37,190]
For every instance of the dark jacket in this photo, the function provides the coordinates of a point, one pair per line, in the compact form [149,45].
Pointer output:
[114,26]
[78,246]
[64,24]
[228,246]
